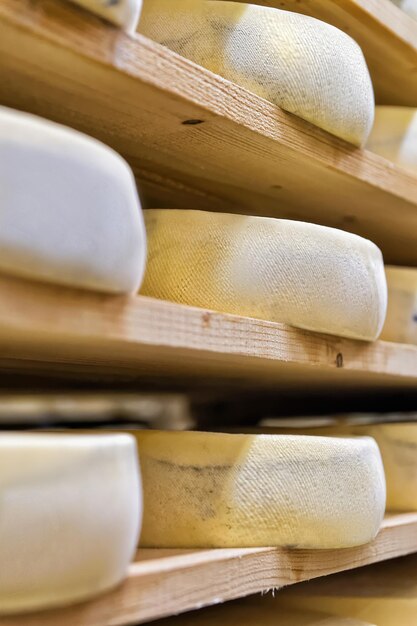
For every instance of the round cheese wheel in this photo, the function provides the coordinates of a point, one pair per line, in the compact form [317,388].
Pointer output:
[305,275]
[409,6]
[70,513]
[384,594]
[211,490]
[124,13]
[394,135]
[397,443]
[70,212]
[303,65]
[401,321]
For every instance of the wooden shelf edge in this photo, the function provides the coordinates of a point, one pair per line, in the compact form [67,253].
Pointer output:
[44,327]
[64,64]
[167,582]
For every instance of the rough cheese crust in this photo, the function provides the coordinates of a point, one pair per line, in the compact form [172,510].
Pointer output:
[401,321]
[69,209]
[123,13]
[309,276]
[397,443]
[384,594]
[70,513]
[394,136]
[206,490]
[303,65]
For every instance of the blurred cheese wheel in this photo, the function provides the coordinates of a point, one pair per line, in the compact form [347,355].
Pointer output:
[394,136]
[309,276]
[409,6]
[303,65]
[70,514]
[401,321]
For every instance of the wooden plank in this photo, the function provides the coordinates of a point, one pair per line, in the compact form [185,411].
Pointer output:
[167,582]
[246,155]
[81,334]
[387,36]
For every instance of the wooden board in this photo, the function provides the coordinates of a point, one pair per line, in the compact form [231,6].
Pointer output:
[241,153]
[167,582]
[51,330]
[387,36]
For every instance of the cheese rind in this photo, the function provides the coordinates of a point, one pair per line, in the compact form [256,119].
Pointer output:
[303,65]
[401,321]
[394,136]
[70,513]
[124,13]
[214,490]
[397,443]
[308,276]
[69,208]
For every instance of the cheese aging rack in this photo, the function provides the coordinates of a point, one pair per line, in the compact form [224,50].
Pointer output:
[242,154]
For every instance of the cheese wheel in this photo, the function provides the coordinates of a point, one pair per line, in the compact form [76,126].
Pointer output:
[394,136]
[309,276]
[124,13]
[397,443]
[211,490]
[384,594]
[70,512]
[409,6]
[299,63]
[69,208]
[258,611]
[401,321]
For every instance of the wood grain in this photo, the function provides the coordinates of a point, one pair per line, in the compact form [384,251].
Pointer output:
[85,335]
[246,155]
[387,36]
[167,582]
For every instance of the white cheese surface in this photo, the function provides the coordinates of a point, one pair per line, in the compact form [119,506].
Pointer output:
[312,277]
[69,208]
[70,515]
[299,63]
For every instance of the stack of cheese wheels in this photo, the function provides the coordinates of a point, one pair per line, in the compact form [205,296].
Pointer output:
[70,514]
[303,65]
[309,276]
[206,490]
[383,594]
[409,6]
[70,212]
[259,611]
[397,443]
[394,136]
[401,321]
[123,13]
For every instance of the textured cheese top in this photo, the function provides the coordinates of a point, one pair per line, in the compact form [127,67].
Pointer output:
[394,136]
[401,321]
[70,514]
[124,13]
[303,65]
[309,276]
[222,490]
[69,208]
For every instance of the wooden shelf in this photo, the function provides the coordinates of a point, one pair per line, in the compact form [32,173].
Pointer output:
[246,155]
[56,331]
[167,582]
[386,34]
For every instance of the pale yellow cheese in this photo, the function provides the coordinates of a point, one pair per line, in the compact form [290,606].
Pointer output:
[394,136]
[313,277]
[70,515]
[398,446]
[221,490]
[384,594]
[401,321]
[303,65]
